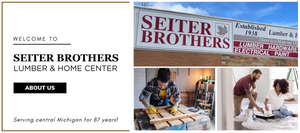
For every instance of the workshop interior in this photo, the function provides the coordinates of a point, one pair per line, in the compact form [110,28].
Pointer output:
[252,119]
[196,110]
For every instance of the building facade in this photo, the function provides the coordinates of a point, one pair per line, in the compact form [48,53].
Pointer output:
[167,38]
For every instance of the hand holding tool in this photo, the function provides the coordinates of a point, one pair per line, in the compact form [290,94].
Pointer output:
[152,109]
[260,109]
[173,109]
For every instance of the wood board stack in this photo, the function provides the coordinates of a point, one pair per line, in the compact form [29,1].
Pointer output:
[164,119]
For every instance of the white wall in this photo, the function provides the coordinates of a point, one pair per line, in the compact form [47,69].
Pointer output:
[139,84]
[240,72]
[150,73]
[263,84]
[209,72]
[224,99]
[221,123]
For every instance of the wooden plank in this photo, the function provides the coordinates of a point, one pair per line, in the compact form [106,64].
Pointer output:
[152,116]
[161,125]
[183,91]
[160,120]
[175,122]
[168,115]
[156,73]
[179,113]
[168,119]
[185,114]
[164,113]
[196,118]
[182,106]
[174,77]
[193,114]
[186,120]
[184,111]
[158,125]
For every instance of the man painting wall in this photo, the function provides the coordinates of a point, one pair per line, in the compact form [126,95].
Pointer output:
[242,90]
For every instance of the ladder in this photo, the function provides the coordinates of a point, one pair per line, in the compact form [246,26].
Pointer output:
[293,70]
[207,93]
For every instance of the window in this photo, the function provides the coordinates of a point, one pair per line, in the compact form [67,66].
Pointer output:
[280,73]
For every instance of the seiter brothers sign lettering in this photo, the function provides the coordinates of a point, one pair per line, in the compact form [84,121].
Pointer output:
[184,33]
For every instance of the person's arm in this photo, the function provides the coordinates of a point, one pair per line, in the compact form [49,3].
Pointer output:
[290,100]
[145,94]
[254,88]
[144,101]
[266,104]
[249,95]
[290,97]
[176,104]
[177,99]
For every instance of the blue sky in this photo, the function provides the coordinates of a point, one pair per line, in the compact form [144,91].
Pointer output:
[276,13]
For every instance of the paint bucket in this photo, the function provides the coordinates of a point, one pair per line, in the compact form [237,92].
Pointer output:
[249,113]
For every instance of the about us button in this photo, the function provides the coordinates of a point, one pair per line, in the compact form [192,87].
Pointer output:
[39,87]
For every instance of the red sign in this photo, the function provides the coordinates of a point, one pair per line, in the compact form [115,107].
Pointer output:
[251,48]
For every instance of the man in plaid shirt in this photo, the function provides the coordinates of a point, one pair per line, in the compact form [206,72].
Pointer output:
[160,90]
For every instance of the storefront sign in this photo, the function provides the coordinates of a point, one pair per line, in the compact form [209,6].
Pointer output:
[161,30]
[184,33]
[264,31]
[250,48]
[263,40]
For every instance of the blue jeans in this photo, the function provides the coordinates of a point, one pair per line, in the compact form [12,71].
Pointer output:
[155,102]
[282,112]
